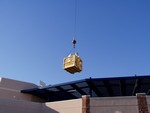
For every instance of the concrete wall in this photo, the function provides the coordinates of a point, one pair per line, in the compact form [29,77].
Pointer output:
[10,89]
[97,105]
[20,106]
[69,106]
[114,105]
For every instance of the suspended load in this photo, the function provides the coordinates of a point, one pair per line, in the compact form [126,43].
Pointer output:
[73,63]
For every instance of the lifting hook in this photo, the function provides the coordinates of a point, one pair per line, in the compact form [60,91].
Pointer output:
[74,42]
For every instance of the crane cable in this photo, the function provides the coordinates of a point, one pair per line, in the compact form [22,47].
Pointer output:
[74,29]
[75,22]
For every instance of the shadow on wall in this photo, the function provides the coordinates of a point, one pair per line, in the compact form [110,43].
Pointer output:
[46,109]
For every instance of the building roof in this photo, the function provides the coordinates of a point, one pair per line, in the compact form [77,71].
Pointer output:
[95,87]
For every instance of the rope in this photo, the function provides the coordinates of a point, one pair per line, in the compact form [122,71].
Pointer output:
[72,51]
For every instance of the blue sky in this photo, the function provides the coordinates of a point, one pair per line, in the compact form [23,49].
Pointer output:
[113,38]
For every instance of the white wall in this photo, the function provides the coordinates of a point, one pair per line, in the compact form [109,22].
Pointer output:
[69,106]
[114,105]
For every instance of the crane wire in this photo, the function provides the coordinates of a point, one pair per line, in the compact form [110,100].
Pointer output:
[74,32]
[75,19]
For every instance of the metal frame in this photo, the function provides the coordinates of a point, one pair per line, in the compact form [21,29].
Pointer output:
[109,87]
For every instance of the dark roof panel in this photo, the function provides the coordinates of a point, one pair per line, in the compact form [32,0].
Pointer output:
[95,87]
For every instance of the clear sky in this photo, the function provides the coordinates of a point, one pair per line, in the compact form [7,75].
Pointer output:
[113,38]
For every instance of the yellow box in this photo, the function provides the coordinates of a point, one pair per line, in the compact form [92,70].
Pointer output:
[73,64]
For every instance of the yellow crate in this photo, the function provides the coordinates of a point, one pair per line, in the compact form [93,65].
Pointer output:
[73,64]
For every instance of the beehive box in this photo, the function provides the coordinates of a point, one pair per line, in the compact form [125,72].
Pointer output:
[73,64]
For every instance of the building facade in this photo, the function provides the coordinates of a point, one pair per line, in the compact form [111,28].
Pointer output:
[12,100]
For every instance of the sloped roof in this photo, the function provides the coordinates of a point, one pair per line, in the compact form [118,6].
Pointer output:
[95,87]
